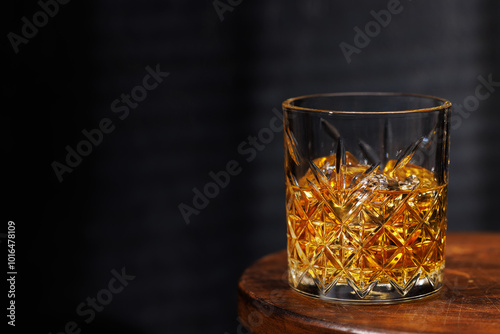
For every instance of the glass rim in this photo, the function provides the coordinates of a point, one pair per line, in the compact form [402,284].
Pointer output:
[288,103]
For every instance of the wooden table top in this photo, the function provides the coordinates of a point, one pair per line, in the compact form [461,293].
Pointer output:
[469,302]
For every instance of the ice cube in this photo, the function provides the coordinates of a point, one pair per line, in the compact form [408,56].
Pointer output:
[409,183]
[377,181]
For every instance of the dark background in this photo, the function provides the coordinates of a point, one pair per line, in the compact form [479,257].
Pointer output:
[120,206]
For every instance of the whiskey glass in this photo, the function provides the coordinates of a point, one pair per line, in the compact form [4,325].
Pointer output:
[366,195]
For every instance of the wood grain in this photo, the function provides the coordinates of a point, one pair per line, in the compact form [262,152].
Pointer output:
[468,303]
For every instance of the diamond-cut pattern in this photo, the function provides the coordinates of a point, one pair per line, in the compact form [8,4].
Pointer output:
[352,231]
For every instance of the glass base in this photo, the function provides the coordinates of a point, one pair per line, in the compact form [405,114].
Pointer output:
[378,293]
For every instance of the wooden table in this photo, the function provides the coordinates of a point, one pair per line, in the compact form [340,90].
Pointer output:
[468,303]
